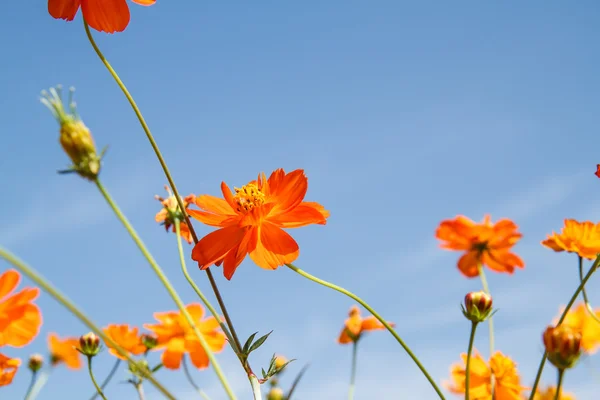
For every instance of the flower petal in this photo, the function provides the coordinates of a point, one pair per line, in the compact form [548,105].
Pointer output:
[468,264]
[289,192]
[214,205]
[197,354]
[371,323]
[108,16]
[63,9]
[234,258]
[305,214]
[274,247]
[212,219]
[23,330]
[8,282]
[144,2]
[216,245]
[171,357]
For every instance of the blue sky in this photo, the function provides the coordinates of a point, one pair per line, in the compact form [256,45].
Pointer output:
[402,114]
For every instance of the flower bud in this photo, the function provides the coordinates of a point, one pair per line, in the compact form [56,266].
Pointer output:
[141,370]
[478,306]
[275,394]
[149,341]
[75,138]
[280,361]
[563,345]
[89,344]
[35,362]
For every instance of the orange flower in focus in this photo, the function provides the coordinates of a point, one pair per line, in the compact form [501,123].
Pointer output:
[174,334]
[20,318]
[581,321]
[582,238]
[64,351]
[126,337]
[8,369]
[549,394]
[355,325]
[251,220]
[502,368]
[108,16]
[171,211]
[484,244]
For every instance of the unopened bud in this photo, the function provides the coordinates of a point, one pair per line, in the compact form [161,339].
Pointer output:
[275,394]
[149,341]
[89,344]
[280,361]
[35,362]
[141,369]
[563,345]
[478,306]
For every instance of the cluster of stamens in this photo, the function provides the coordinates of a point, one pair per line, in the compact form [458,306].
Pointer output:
[247,197]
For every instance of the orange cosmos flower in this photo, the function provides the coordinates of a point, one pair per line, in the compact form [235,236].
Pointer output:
[174,334]
[484,244]
[8,369]
[502,368]
[581,321]
[582,238]
[64,351]
[171,211]
[550,393]
[20,318]
[126,337]
[355,325]
[108,16]
[251,220]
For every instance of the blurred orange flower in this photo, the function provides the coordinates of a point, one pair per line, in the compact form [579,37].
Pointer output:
[8,369]
[484,244]
[355,325]
[597,170]
[171,211]
[549,393]
[108,16]
[251,220]
[174,334]
[582,238]
[502,368]
[126,337]
[64,351]
[20,318]
[581,321]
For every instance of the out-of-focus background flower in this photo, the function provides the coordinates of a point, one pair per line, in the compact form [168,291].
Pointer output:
[402,114]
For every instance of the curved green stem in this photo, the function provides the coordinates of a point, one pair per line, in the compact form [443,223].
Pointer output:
[108,377]
[255,387]
[376,315]
[353,371]
[559,381]
[98,390]
[486,289]
[163,164]
[184,269]
[562,318]
[34,376]
[468,366]
[186,370]
[167,284]
[69,305]
[588,306]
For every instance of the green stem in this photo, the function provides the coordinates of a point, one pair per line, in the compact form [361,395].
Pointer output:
[98,390]
[588,306]
[468,367]
[140,390]
[184,269]
[108,377]
[255,387]
[562,318]
[561,374]
[376,315]
[486,289]
[295,383]
[38,385]
[191,380]
[167,284]
[163,164]
[69,305]
[353,371]
[34,376]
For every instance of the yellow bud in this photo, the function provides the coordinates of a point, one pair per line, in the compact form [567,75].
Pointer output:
[35,362]
[275,394]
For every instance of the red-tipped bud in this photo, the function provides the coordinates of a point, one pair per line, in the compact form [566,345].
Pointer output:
[89,344]
[563,345]
[150,341]
[35,362]
[478,306]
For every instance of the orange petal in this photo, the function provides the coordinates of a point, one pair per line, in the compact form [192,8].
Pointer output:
[8,282]
[196,311]
[108,16]
[468,264]
[197,354]
[274,247]
[304,214]
[171,357]
[214,205]
[144,2]
[597,170]
[227,195]
[234,258]
[372,324]
[213,219]
[63,9]
[290,192]
[216,245]
[22,331]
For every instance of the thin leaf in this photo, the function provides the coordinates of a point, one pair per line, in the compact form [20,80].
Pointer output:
[259,342]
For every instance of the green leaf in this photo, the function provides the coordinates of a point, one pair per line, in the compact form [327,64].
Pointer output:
[258,342]
[248,343]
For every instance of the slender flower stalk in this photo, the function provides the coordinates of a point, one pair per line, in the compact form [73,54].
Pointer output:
[34,376]
[69,305]
[353,371]
[559,381]
[588,306]
[98,389]
[468,363]
[108,378]
[486,289]
[140,390]
[38,385]
[167,284]
[376,315]
[561,319]
[163,164]
[186,370]
[255,387]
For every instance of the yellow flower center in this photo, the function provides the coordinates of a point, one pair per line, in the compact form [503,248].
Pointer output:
[248,197]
